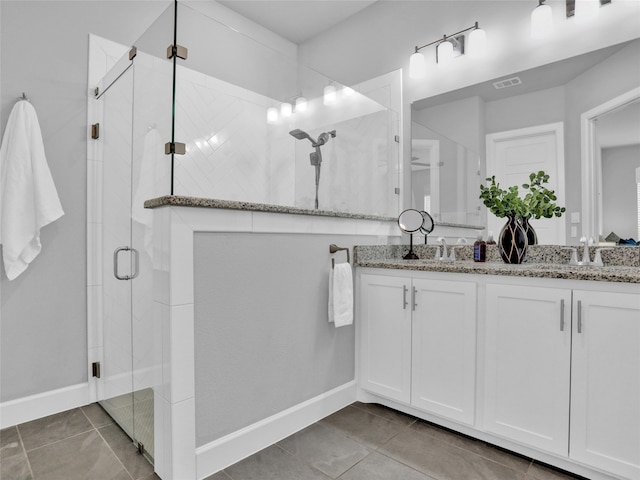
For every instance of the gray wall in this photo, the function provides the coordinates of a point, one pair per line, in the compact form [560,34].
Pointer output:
[263,343]
[44,53]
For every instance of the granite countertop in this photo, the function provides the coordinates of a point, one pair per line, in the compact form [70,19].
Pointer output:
[617,273]
[546,261]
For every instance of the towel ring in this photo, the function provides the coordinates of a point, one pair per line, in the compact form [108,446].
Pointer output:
[333,248]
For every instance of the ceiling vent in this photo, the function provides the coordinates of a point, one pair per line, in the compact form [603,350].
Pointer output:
[509,82]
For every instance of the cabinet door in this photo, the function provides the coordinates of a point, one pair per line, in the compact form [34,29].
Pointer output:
[605,382]
[385,337]
[444,348]
[527,365]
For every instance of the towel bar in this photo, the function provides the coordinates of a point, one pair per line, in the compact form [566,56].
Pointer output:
[333,248]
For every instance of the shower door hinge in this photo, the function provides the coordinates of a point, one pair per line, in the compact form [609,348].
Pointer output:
[140,448]
[396,191]
[95,369]
[175,147]
[132,53]
[177,51]
[96,92]
[397,138]
[95,131]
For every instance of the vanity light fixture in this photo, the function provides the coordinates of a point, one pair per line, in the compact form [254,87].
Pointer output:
[272,115]
[586,10]
[446,49]
[301,104]
[330,95]
[286,109]
[541,21]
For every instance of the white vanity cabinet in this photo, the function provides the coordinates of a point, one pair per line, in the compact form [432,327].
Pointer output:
[562,373]
[417,342]
[605,382]
[527,365]
[546,367]
[385,336]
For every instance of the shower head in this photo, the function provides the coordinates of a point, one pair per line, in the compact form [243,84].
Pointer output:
[324,138]
[300,135]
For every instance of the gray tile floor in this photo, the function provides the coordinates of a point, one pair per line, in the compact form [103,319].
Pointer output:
[372,442]
[80,444]
[359,442]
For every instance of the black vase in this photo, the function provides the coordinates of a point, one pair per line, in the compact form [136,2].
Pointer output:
[512,242]
[532,238]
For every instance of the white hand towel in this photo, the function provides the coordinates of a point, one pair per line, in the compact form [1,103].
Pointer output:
[28,197]
[341,295]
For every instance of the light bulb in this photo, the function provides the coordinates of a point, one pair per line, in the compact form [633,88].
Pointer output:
[445,52]
[286,109]
[272,115]
[417,66]
[477,43]
[330,95]
[586,10]
[541,21]
[347,91]
[301,104]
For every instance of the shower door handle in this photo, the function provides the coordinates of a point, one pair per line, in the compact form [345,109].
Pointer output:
[136,263]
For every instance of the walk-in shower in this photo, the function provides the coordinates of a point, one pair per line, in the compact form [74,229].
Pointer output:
[196,127]
[315,157]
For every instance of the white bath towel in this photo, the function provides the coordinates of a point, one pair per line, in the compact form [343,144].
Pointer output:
[28,197]
[341,295]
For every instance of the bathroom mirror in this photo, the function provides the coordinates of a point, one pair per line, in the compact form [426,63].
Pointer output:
[560,92]
[410,221]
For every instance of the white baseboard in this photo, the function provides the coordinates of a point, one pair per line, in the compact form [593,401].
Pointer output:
[41,405]
[226,451]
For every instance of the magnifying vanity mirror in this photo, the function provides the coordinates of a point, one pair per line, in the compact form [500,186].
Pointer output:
[427,225]
[410,221]
[451,133]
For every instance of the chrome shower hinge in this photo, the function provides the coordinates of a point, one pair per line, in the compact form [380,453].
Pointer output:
[175,147]
[132,53]
[95,369]
[177,51]
[95,131]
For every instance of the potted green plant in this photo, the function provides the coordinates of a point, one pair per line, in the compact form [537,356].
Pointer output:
[517,233]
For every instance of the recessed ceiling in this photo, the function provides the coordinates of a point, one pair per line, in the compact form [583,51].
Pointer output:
[297,20]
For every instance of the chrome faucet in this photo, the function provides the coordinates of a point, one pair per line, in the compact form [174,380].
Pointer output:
[445,256]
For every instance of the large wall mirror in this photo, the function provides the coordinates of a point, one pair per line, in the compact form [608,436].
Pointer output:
[451,131]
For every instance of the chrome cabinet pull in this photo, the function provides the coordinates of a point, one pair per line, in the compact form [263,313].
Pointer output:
[413,299]
[136,263]
[404,297]
[562,315]
[579,316]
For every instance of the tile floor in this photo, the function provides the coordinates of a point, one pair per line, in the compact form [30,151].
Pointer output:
[372,442]
[359,442]
[79,444]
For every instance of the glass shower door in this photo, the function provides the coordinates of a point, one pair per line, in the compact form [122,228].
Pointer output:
[126,369]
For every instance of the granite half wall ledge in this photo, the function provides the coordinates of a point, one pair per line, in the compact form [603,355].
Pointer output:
[185,201]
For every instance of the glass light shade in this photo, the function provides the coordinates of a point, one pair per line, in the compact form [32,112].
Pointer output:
[272,115]
[477,43]
[541,21]
[330,95]
[445,52]
[417,66]
[586,10]
[286,109]
[301,104]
